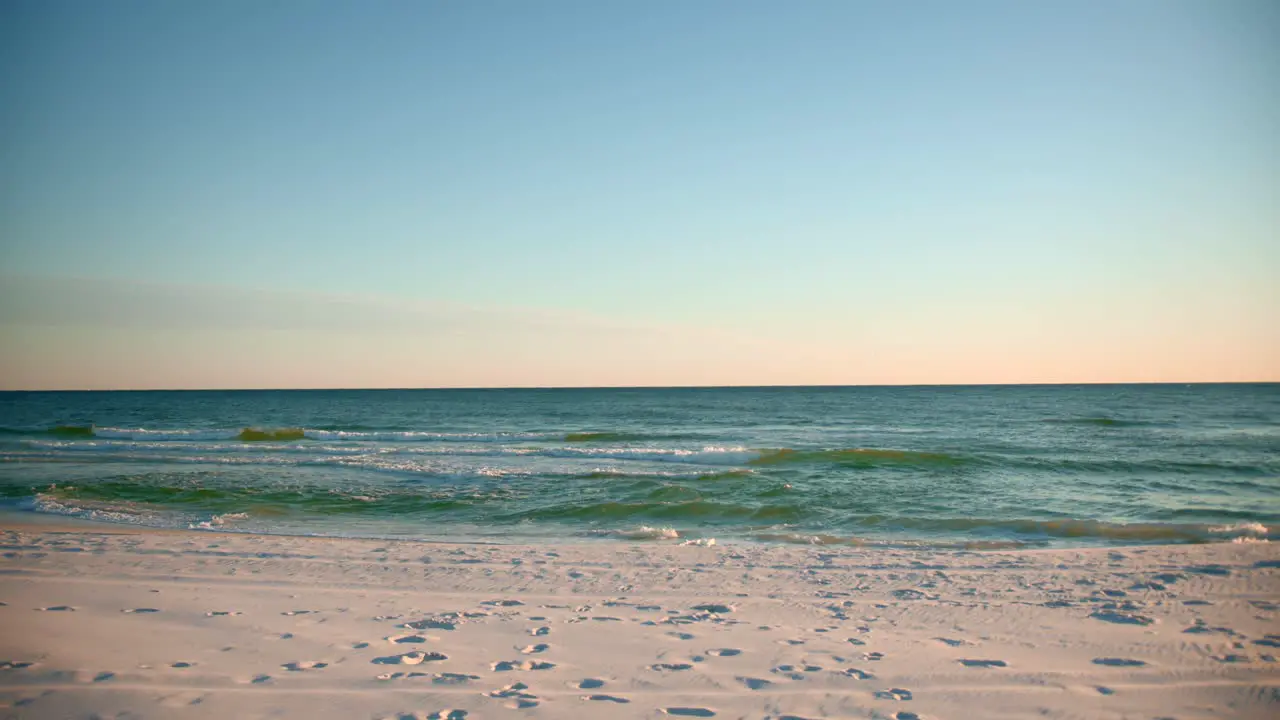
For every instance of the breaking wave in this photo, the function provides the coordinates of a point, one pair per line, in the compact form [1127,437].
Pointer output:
[643,532]
[355,434]
[72,431]
[255,435]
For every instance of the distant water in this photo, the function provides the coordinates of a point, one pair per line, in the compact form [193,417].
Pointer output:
[944,466]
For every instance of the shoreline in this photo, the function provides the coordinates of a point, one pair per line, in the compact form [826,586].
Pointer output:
[644,535]
[101,618]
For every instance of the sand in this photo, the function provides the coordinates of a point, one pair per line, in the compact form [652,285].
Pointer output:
[114,622]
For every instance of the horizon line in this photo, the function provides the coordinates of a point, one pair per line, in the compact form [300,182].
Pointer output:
[650,387]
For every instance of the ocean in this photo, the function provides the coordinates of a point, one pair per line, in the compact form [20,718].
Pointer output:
[954,467]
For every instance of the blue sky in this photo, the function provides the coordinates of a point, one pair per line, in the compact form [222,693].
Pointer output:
[815,192]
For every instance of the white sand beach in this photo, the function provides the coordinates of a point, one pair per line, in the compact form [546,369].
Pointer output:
[116,622]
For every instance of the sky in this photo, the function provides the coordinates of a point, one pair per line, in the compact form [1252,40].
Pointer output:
[503,193]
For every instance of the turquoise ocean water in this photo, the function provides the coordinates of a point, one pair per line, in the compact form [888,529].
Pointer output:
[992,466]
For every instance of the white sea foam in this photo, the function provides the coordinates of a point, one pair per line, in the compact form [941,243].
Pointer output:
[218,521]
[113,433]
[644,532]
[423,436]
[1242,530]
[707,455]
[118,512]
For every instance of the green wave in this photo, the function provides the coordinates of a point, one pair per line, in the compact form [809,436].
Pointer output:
[864,457]
[774,516]
[72,431]
[267,501]
[256,435]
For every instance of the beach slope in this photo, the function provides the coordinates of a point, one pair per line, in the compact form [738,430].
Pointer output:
[103,622]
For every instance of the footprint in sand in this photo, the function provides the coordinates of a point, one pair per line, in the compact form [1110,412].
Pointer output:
[724,652]
[181,665]
[406,639]
[894,694]
[1118,662]
[670,667]
[873,656]
[714,608]
[1121,618]
[1217,570]
[57,608]
[302,665]
[540,631]
[1203,628]
[103,676]
[141,610]
[515,692]
[508,665]
[398,675]
[754,683]
[259,679]
[297,612]
[512,690]
[15,664]
[906,716]
[983,663]
[430,625]
[448,715]
[681,635]
[689,712]
[590,684]
[535,649]
[952,642]
[413,658]
[607,698]
[222,613]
